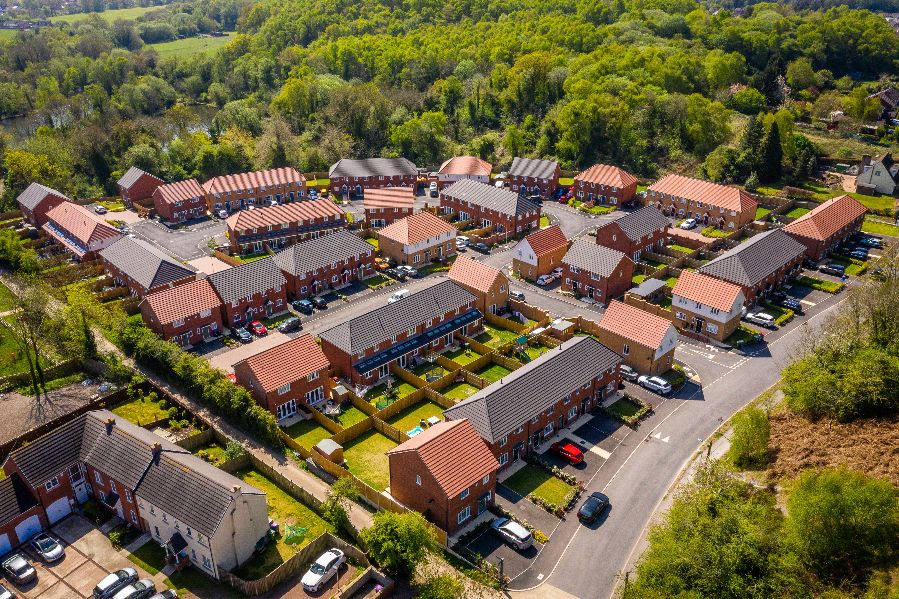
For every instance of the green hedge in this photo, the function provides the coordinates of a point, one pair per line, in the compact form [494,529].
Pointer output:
[819,284]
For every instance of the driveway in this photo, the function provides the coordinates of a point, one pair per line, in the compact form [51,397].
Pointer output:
[489,546]
[186,243]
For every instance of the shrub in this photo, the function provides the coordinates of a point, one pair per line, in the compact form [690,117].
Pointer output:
[115,537]
[443,586]
[749,440]
[234,450]
[398,542]
[819,284]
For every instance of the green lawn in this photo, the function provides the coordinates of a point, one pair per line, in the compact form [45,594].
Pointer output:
[307,433]
[637,279]
[664,300]
[149,556]
[140,411]
[852,266]
[536,350]
[495,337]
[671,281]
[459,391]
[283,509]
[191,45]
[375,282]
[351,416]
[7,34]
[781,315]
[566,181]
[493,372]
[211,452]
[819,284]
[251,257]
[651,262]
[413,415]
[761,213]
[821,193]
[367,459]
[797,212]
[373,240]
[876,227]
[624,408]
[107,15]
[742,334]
[679,248]
[426,368]
[376,393]
[462,356]
[531,480]
[544,221]
[714,232]
[7,299]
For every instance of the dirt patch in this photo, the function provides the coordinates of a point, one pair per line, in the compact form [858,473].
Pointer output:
[870,446]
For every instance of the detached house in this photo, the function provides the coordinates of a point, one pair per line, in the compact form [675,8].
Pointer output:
[136,185]
[142,268]
[728,208]
[645,340]
[758,265]
[179,201]
[37,200]
[530,405]
[350,178]
[385,205]
[828,225]
[464,167]
[534,176]
[418,239]
[251,231]
[878,175]
[539,253]
[447,473]
[250,291]
[242,190]
[327,262]
[706,306]
[288,375]
[508,213]
[361,349]
[635,233]
[186,314]
[596,272]
[603,184]
[488,284]
[80,232]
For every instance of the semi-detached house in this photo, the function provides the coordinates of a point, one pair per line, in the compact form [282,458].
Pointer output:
[534,176]
[275,227]
[458,168]
[386,205]
[179,201]
[143,268]
[539,253]
[488,284]
[242,190]
[634,233]
[37,200]
[596,272]
[328,262]
[79,231]
[728,208]
[604,184]
[508,213]
[350,178]
[645,340]
[250,291]
[418,239]
[136,185]
[706,306]
[185,314]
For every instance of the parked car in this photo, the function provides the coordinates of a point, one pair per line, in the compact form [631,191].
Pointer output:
[790,303]
[222,214]
[432,188]
[557,272]
[410,272]
[564,200]
[873,242]
[481,247]
[859,254]
[319,303]
[48,548]
[513,533]
[242,335]
[166,594]
[5,593]
[100,209]
[762,319]
[809,264]
[137,590]
[568,451]
[628,373]
[690,223]
[111,583]
[463,239]
[381,264]
[303,305]
[833,269]
[18,569]
[396,274]
[516,295]
[324,569]
[594,506]
[655,383]
[291,324]
[543,280]
[537,199]
[461,247]
[398,295]
[258,329]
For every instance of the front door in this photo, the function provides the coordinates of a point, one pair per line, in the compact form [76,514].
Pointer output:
[700,323]
[482,502]
[269,308]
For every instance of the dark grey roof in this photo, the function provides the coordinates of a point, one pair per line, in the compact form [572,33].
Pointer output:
[372,328]
[750,262]
[16,497]
[585,254]
[498,409]
[36,192]
[132,175]
[372,167]
[243,281]
[533,167]
[147,265]
[47,456]
[648,287]
[643,222]
[306,256]
[491,197]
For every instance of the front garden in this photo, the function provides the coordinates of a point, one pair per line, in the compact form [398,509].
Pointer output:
[819,284]
[542,487]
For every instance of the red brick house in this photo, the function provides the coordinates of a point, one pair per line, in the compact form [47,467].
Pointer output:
[275,227]
[258,188]
[534,176]
[634,233]
[645,340]
[510,214]
[488,284]
[350,178]
[447,473]
[143,268]
[464,167]
[136,185]
[728,208]
[828,225]
[21,514]
[535,402]
[385,205]
[418,239]
[328,262]
[280,382]
[179,201]
[256,290]
[605,185]
[539,253]
[37,200]
[706,306]
[595,271]
[79,231]
[185,314]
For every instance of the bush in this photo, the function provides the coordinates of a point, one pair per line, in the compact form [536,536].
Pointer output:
[398,542]
[234,450]
[749,440]
[819,284]
[443,586]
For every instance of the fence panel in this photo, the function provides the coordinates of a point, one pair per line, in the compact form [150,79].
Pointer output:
[389,431]
[401,404]
[354,431]
[332,426]
[407,376]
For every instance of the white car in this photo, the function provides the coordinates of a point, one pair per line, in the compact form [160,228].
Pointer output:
[5,593]
[47,547]
[324,569]
[690,223]
[655,383]
[557,272]
[513,533]
[398,295]
[762,319]
[223,214]
[100,209]
[462,239]
[516,295]
[432,188]
[545,280]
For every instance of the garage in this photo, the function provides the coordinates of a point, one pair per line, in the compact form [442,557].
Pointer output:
[59,509]
[28,528]
[5,545]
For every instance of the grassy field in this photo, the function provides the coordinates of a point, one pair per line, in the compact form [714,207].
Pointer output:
[307,433]
[367,459]
[459,391]
[531,480]
[351,416]
[413,415]
[493,372]
[191,46]
[107,15]
[876,227]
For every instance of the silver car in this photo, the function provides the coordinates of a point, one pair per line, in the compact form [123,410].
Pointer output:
[18,569]
[48,548]
[142,589]
[513,533]
[112,583]
[655,383]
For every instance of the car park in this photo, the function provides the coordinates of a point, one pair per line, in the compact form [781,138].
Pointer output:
[628,373]
[543,280]
[689,223]
[18,569]
[258,329]
[319,303]
[516,295]
[397,274]
[655,383]
[481,247]
[873,242]
[324,569]
[398,295]
[568,451]
[291,324]
[242,335]
[762,319]
[303,305]
[833,269]
[593,507]
[859,254]
[142,589]
[113,582]
[48,548]
[513,533]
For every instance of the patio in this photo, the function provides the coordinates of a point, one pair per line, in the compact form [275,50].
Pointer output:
[366,458]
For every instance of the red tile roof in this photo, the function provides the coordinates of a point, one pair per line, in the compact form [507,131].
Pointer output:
[454,454]
[827,219]
[240,182]
[466,165]
[635,324]
[416,228]
[603,174]
[389,197]
[706,290]
[79,223]
[546,240]
[179,191]
[470,273]
[697,190]
[288,362]
[183,301]
[284,213]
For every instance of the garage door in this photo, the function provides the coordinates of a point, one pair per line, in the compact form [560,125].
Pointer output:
[28,528]
[5,545]
[59,509]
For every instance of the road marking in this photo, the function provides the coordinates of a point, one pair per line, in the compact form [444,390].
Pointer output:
[540,577]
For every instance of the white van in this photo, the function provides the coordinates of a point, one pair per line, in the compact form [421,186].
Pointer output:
[398,295]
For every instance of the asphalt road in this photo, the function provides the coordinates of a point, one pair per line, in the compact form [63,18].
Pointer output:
[186,243]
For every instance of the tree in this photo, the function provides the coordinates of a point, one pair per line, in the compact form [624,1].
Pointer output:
[23,167]
[771,166]
[749,439]
[801,75]
[442,586]
[336,506]
[513,142]
[752,182]
[398,542]
[29,329]
[748,101]
[860,106]
[14,255]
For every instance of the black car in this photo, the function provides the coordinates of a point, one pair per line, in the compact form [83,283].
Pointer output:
[242,335]
[303,305]
[480,247]
[396,274]
[291,324]
[536,199]
[836,270]
[791,303]
[594,506]
[319,303]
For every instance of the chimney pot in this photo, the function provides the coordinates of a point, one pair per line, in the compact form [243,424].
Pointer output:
[235,488]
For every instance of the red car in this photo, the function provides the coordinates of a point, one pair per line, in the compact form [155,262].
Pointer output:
[258,329]
[568,451]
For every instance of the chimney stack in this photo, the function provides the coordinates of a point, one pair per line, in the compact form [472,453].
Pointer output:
[110,423]
[157,450]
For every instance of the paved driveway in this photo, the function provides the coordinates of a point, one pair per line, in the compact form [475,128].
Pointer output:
[492,548]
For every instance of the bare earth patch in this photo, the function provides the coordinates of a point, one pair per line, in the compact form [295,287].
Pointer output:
[870,446]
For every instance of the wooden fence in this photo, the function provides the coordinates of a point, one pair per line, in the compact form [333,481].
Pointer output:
[585,325]
[389,431]
[541,317]
[638,302]
[505,323]
[332,426]
[401,404]
[51,372]
[369,574]
[407,375]
[226,258]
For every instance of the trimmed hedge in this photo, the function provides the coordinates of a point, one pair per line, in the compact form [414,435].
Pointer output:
[819,284]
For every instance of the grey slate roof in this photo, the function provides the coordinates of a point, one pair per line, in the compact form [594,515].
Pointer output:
[750,262]
[372,167]
[643,222]
[503,201]
[47,456]
[585,254]
[533,167]
[648,287]
[15,498]
[132,175]
[372,328]
[245,280]
[306,256]
[36,192]
[147,265]
[498,409]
